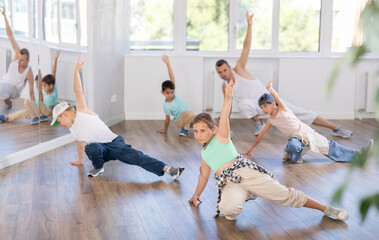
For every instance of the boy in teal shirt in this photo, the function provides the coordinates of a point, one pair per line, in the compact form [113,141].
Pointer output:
[41,109]
[174,105]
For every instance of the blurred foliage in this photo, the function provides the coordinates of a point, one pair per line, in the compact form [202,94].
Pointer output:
[369,22]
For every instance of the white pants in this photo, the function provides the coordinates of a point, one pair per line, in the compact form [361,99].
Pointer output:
[8,91]
[261,185]
[249,108]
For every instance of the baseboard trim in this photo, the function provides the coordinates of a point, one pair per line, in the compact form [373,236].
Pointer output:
[115,120]
[36,150]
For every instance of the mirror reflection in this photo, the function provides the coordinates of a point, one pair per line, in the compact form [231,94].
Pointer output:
[24,112]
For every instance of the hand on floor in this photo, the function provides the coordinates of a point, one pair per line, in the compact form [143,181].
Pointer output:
[77,162]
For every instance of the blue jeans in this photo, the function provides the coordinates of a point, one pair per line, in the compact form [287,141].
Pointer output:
[99,153]
[336,152]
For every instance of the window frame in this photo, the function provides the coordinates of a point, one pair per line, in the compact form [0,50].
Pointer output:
[40,23]
[179,33]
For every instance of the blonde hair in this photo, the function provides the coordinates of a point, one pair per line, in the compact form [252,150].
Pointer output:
[206,118]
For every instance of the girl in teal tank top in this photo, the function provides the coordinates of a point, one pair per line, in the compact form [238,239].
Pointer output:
[220,156]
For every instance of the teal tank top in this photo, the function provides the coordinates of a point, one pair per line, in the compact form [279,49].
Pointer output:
[217,154]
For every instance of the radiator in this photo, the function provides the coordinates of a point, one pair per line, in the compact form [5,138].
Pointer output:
[264,75]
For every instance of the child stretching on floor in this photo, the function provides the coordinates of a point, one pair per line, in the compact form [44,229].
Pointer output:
[174,105]
[95,139]
[40,110]
[299,134]
[240,179]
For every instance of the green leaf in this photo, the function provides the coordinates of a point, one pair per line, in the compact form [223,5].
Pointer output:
[360,159]
[366,203]
[338,194]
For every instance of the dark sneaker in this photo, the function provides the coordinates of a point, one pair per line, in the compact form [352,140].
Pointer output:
[258,127]
[94,172]
[183,132]
[337,213]
[43,118]
[175,172]
[34,121]
[342,132]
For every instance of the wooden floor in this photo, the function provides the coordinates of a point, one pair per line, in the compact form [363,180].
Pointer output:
[46,198]
[20,134]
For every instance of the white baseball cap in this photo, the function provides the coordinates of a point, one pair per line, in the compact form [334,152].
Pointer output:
[58,110]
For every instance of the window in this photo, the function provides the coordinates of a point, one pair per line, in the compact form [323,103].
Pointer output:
[35,19]
[345,24]
[50,23]
[20,17]
[68,21]
[151,24]
[262,23]
[207,25]
[2,23]
[83,22]
[299,25]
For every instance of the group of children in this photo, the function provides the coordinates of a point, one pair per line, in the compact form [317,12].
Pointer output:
[238,178]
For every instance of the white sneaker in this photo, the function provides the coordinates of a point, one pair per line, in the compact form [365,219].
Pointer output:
[258,127]
[337,213]
[94,172]
[342,132]
[230,218]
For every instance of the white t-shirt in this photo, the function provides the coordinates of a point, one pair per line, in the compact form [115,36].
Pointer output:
[247,88]
[89,128]
[14,77]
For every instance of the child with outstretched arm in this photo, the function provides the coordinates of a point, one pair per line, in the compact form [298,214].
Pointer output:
[301,137]
[174,105]
[99,143]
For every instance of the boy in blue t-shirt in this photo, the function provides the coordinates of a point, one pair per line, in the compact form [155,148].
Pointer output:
[174,105]
[41,109]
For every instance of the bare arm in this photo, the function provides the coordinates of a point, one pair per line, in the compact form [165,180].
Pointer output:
[40,94]
[241,63]
[81,104]
[205,172]
[275,95]
[166,123]
[11,38]
[166,60]
[223,132]
[54,70]
[80,146]
[29,78]
[258,139]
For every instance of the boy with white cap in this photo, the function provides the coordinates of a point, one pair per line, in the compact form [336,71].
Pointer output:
[97,140]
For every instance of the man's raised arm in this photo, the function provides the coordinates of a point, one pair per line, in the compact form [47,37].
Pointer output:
[9,31]
[241,63]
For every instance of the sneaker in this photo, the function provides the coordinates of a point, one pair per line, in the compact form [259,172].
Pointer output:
[94,172]
[337,213]
[34,121]
[230,218]
[364,149]
[342,132]
[8,107]
[175,172]
[258,127]
[2,118]
[43,118]
[183,132]
[300,160]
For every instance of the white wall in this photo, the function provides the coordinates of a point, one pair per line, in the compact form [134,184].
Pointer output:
[107,44]
[144,76]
